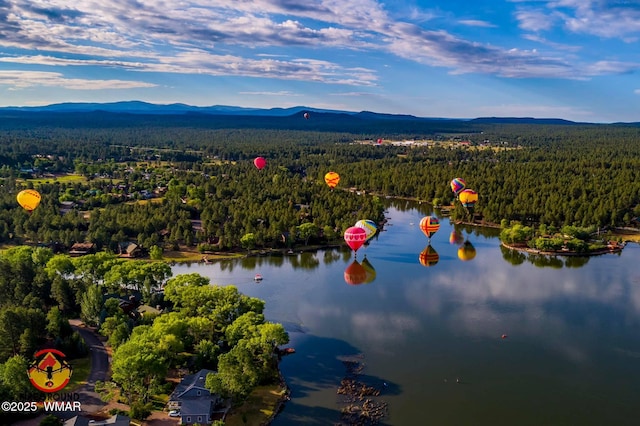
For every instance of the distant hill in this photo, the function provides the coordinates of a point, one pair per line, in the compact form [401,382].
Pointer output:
[139,107]
[522,120]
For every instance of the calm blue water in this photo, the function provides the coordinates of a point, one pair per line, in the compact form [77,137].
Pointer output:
[572,355]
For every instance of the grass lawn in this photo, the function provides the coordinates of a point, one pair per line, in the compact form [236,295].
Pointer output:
[81,369]
[194,256]
[258,409]
[61,178]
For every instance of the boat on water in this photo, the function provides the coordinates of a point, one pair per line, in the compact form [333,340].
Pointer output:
[257,278]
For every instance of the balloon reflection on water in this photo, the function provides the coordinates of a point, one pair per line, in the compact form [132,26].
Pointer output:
[467,251]
[429,256]
[359,272]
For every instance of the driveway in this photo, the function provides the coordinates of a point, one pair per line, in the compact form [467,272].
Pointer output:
[89,398]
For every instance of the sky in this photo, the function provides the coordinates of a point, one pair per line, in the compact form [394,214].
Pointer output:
[572,59]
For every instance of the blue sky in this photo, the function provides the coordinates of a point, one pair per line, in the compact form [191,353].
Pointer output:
[572,59]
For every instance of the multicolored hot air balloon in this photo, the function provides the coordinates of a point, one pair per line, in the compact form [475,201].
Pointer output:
[429,256]
[429,225]
[260,162]
[371,272]
[355,237]
[468,198]
[369,227]
[332,179]
[466,252]
[29,199]
[355,273]
[457,185]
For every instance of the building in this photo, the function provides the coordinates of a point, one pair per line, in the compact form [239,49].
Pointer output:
[193,400]
[81,249]
[115,420]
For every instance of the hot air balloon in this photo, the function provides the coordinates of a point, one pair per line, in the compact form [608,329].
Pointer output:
[371,272]
[429,225]
[29,199]
[466,252]
[369,227]
[379,141]
[468,198]
[355,274]
[429,256]
[332,179]
[456,238]
[306,115]
[355,237]
[458,185]
[260,162]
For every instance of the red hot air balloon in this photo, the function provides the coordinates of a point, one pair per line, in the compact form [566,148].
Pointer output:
[355,274]
[355,237]
[429,225]
[260,162]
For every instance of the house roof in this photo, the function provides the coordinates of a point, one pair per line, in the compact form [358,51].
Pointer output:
[115,420]
[77,421]
[196,407]
[189,382]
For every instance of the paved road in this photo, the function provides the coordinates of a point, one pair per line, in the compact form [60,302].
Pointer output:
[89,398]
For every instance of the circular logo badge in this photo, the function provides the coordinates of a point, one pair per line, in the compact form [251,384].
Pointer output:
[49,372]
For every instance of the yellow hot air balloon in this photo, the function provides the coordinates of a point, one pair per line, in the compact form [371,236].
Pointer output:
[332,179]
[29,199]
[468,197]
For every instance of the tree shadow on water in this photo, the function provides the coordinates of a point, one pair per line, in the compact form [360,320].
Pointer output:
[314,374]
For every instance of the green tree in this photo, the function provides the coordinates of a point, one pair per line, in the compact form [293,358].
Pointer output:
[248,241]
[155,252]
[307,231]
[91,305]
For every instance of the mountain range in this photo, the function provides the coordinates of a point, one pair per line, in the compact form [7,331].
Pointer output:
[146,108]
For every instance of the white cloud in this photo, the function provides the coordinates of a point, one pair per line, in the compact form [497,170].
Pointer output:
[476,23]
[280,93]
[249,38]
[21,79]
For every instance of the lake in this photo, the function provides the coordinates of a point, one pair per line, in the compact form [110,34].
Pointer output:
[499,338]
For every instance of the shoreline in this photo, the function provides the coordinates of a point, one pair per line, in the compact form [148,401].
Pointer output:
[530,250]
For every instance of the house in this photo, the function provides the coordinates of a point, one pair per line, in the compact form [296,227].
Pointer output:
[115,420]
[148,311]
[81,249]
[129,250]
[195,402]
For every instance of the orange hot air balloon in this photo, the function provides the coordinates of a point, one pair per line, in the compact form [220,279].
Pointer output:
[260,162]
[429,225]
[355,237]
[332,179]
[429,256]
[466,252]
[355,273]
[29,199]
